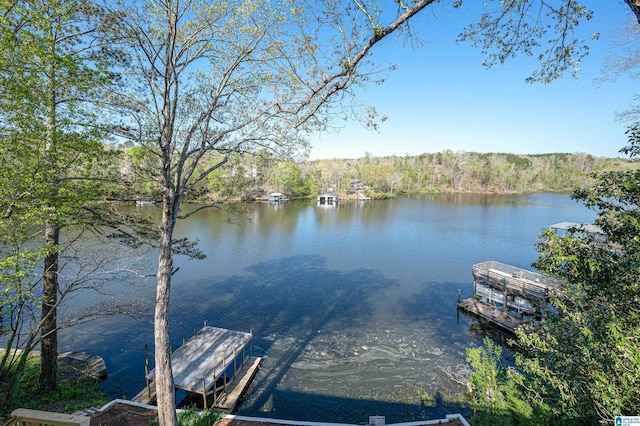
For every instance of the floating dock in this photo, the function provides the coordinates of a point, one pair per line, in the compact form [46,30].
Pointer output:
[238,386]
[202,364]
[492,314]
[90,365]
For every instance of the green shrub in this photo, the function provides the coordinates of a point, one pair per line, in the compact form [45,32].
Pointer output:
[191,417]
[496,391]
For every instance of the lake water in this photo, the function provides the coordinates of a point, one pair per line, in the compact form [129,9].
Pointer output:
[353,307]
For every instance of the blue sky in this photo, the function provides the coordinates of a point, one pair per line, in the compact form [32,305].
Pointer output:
[442,97]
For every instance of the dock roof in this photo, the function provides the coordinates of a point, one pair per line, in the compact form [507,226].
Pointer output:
[528,283]
[587,227]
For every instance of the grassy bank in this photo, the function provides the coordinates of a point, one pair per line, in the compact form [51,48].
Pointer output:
[75,390]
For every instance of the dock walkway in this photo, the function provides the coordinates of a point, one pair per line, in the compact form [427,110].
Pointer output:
[238,385]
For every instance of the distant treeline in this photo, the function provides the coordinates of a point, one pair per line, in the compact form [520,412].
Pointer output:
[250,176]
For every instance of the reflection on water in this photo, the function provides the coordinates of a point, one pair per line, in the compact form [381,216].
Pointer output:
[353,306]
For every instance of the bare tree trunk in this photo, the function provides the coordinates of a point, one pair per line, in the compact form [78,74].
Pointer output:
[165,392]
[48,379]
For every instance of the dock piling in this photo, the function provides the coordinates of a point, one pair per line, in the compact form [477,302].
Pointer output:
[204,394]
[215,389]
[224,364]
[243,351]
[146,369]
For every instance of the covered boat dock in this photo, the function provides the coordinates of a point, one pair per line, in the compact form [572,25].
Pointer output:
[328,199]
[503,294]
[581,227]
[276,197]
[516,281]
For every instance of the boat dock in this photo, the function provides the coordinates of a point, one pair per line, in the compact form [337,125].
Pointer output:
[328,199]
[513,280]
[212,364]
[503,294]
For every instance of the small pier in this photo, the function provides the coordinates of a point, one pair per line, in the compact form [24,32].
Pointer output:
[91,365]
[212,364]
[504,294]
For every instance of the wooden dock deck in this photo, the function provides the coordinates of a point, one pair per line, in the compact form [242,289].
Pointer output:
[492,314]
[91,364]
[200,367]
[147,395]
[237,387]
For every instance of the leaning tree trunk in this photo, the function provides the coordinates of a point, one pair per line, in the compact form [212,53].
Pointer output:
[48,379]
[164,376]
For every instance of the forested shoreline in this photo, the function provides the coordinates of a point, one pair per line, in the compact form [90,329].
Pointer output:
[248,177]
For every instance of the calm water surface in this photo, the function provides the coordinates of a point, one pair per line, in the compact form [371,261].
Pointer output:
[353,307]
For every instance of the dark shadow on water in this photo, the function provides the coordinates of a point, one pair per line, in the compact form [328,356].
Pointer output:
[288,302]
[435,304]
[282,297]
[325,408]
[438,296]
[292,299]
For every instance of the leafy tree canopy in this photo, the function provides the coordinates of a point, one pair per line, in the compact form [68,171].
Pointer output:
[584,358]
